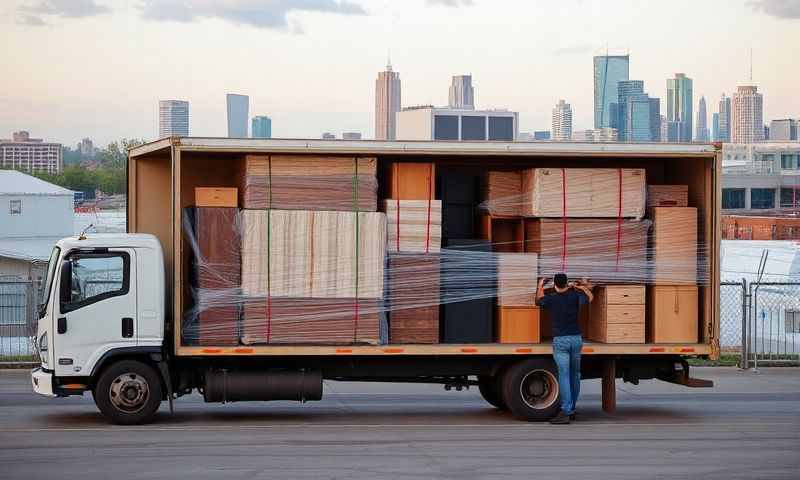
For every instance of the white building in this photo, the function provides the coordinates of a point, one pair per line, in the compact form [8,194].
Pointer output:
[387,103]
[461,94]
[173,118]
[435,123]
[562,122]
[783,130]
[601,135]
[747,123]
[34,214]
[28,154]
[761,177]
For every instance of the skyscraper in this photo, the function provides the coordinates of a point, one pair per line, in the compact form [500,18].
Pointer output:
[747,125]
[724,119]
[462,95]
[638,115]
[679,106]
[784,129]
[655,119]
[387,103]
[173,118]
[702,121]
[608,72]
[715,127]
[238,107]
[562,122]
[261,127]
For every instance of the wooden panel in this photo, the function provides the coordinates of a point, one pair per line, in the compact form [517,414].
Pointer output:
[413,226]
[618,314]
[672,314]
[503,193]
[518,325]
[413,298]
[673,245]
[216,197]
[516,279]
[620,294]
[667,195]
[618,333]
[411,181]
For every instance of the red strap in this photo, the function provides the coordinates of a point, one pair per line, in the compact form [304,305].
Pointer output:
[619,219]
[430,194]
[564,220]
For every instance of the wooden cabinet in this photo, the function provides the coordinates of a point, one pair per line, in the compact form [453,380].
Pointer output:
[672,312]
[618,314]
[411,181]
[518,325]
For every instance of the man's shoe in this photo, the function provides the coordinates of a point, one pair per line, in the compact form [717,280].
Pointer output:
[560,419]
[572,416]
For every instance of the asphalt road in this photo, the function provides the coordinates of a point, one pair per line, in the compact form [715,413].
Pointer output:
[747,427]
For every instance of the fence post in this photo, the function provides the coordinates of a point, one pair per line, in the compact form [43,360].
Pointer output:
[743,363]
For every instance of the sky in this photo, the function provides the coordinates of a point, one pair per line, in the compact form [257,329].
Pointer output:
[97,68]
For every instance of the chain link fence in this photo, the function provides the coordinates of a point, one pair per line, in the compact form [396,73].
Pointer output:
[18,316]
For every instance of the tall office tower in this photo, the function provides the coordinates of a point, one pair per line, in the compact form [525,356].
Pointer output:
[715,127]
[638,115]
[608,72]
[724,119]
[238,107]
[173,118]
[655,119]
[387,103]
[462,95]
[785,129]
[562,122]
[747,122]
[679,105]
[261,127]
[702,121]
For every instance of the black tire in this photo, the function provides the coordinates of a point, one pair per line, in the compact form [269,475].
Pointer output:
[128,393]
[530,389]
[489,387]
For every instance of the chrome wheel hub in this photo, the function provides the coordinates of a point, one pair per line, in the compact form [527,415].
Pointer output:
[129,392]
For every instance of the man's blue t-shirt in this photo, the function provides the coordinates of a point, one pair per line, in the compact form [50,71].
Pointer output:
[563,309]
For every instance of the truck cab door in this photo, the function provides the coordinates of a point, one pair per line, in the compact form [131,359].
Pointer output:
[96,308]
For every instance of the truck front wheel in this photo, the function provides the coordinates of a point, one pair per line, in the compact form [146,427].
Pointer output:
[128,393]
[530,389]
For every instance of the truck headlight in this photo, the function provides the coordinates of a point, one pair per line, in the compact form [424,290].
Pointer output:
[43,349]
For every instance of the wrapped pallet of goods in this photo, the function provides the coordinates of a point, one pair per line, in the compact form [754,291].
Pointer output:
[503,193]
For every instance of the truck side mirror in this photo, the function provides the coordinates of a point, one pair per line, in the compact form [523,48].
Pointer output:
[65,285]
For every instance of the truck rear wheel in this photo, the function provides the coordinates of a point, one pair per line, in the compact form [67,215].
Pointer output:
[128,393]
[530,389]
[489,386]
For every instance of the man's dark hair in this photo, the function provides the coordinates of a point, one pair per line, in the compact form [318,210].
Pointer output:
[560,280]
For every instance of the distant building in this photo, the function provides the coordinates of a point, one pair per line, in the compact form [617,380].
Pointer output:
[608,72]
[761,177]
[434,123]
[387,103]
[261,127]
[724,119]
[679,106]
[541,135]
[173,118]
[603,135]
[28,154]
[702,121]
[562,122]
[351,135]
[525,137]
[34,215]
[638,115]
[86,148]
[715,127]
[783,130]
[461,94]
[766,132]
[747,123]
[238,112]
[328,136]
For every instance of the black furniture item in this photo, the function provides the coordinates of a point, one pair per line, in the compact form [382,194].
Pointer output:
[460,199]
[468,270]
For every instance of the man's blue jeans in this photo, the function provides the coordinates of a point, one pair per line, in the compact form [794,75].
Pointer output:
[567,354]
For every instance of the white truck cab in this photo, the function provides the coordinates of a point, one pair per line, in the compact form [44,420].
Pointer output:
[103,298]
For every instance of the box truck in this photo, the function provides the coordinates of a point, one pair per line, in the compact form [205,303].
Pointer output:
[133,319]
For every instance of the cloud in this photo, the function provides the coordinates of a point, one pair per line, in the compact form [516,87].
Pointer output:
[452,3]
[573,50]
[256,13]
[32,14]
[777,8]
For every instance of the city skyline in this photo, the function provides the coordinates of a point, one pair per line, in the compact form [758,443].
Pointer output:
[125,79]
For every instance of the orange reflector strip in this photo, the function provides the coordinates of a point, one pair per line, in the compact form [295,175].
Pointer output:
[73,386]
[657,349]
[588,350]
[212,350]
[469,350]
[524,350]
[243,350]
[344,350]
[687,350]
[393,350]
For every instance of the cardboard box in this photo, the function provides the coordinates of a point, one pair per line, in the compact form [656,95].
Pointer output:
[216,197]
[618,314]
[411,181]
[673,245]
[518,325]
[667,195]
[672,314]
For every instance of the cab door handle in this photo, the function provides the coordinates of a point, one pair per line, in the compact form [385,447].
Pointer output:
[127,327]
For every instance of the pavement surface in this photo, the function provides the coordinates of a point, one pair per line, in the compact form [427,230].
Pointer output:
[747,427]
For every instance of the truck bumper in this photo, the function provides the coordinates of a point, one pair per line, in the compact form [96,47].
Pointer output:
[42,382]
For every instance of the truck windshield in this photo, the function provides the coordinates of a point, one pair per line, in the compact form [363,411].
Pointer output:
[51,269]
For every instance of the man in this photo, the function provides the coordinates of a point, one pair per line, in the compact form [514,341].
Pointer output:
[563,307]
